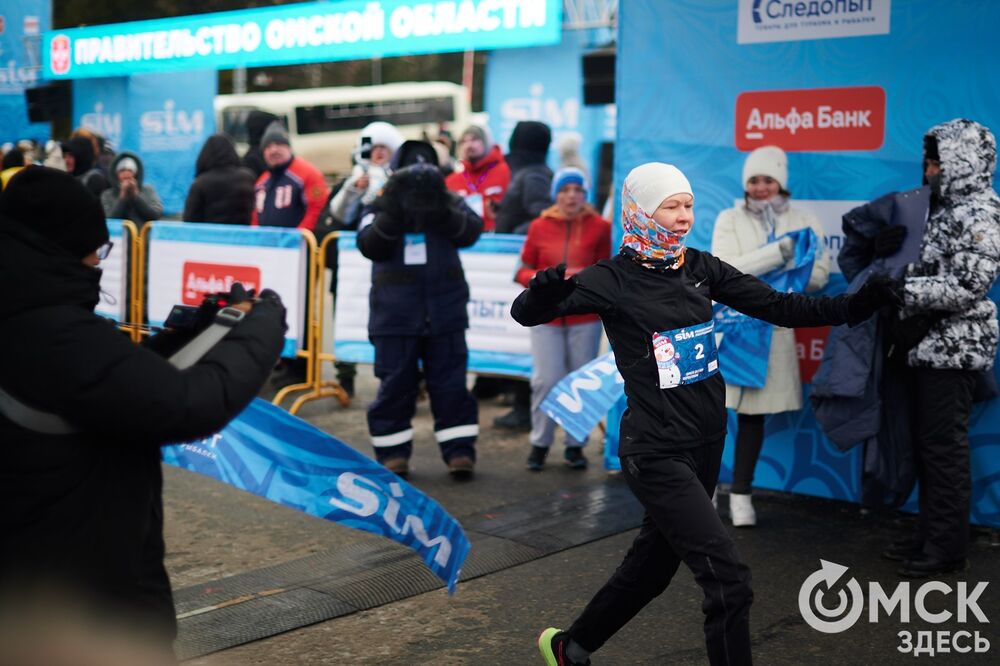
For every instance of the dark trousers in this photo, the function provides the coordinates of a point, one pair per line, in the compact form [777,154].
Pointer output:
[680,525]
[456,414]
[749,441]
[940,404]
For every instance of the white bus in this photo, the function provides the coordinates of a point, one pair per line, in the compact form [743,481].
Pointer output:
[324,122]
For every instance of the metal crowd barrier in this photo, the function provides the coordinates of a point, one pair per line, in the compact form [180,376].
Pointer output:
[314,387]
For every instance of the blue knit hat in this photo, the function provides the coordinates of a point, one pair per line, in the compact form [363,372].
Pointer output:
[568,175]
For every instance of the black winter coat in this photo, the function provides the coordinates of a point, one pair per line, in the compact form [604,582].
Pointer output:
[86,507]
[222,191]
[527,196]
[634,303]
[428,298]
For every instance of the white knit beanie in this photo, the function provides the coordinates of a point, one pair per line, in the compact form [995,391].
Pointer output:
[127,164]
[651,183]
[382,134]
[767,161]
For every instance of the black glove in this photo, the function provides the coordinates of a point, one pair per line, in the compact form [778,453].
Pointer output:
[390,199]
[239,294]
[390,224]
[270,298]
[877,292]
[550,285]
[889,240]
[905,334]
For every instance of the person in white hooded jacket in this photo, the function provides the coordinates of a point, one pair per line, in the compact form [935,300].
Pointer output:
[745,236]
[377,143]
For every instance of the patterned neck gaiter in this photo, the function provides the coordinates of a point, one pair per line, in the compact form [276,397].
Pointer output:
[645,241]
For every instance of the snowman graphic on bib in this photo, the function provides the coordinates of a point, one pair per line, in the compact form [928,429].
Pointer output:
[666,361]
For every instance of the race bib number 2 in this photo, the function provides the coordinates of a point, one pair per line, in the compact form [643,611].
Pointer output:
[685,355]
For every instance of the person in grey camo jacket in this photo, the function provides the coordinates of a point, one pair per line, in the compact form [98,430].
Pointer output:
[946,335]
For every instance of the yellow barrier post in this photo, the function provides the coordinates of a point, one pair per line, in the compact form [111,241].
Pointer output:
[320,388]
[140,280]
[132,323]
[309,352]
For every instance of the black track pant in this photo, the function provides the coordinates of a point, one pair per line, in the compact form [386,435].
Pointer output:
[680,525]
[940,404]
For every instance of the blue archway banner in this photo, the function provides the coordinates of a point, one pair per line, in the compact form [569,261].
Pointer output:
[848,89]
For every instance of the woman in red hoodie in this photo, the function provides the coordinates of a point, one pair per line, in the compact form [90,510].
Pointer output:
[571,233]
[484,177]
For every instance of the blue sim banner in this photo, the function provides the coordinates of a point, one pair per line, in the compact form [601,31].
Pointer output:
[268,452]
[872,87]
[518,89]
[300,33]
[583,397]
[746,342]
[21,26]
[164,118]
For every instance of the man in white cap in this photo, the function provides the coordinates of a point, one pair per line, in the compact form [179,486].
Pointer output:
[674,430]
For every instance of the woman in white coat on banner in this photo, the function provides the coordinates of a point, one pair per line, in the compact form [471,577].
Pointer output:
[745,236]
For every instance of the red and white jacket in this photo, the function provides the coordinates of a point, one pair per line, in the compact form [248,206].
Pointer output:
[488,177]
[290,197]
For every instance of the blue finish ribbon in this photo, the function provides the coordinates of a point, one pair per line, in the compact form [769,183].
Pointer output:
[272,454]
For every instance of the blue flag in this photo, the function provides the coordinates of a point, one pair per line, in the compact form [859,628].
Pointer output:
[270,453]
[746,342]
[583,397]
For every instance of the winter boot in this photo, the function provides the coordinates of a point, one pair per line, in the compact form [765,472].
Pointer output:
[536,459]
[575,458]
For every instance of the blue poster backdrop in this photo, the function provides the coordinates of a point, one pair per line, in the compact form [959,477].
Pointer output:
[164,118]
[518,89]
[100,106]
[21,26]
[732,77]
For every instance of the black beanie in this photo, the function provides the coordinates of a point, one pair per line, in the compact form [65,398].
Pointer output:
[414,152]
[13,158]
[530,136]
[56,206]
[275,133]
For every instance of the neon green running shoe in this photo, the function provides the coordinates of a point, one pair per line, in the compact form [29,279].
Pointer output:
[552,644]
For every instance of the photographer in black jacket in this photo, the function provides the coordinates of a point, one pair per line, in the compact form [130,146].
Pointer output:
[82,509]
[418,310]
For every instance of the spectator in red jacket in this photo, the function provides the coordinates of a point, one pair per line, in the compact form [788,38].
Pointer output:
[292,192]
[484,176]
[571,233]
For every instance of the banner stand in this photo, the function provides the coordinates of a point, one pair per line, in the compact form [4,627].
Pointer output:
[315,384]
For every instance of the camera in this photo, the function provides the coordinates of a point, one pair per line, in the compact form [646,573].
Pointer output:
[190,318]
[365,151]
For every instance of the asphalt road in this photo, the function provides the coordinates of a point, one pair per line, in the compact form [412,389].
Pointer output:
[214,531]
